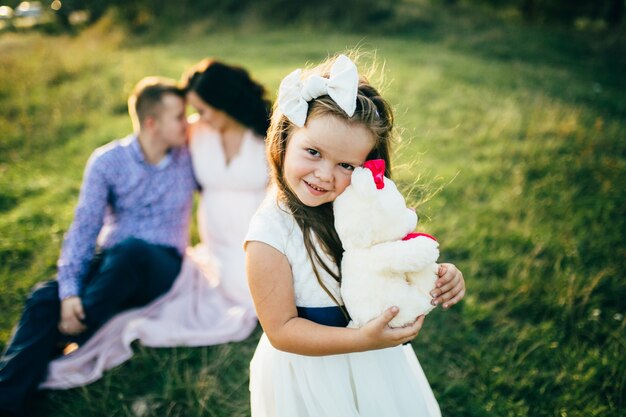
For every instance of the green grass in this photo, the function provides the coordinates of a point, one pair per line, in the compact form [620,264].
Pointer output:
[512,149]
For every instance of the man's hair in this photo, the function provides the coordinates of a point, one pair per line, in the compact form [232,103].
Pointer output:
[147,97]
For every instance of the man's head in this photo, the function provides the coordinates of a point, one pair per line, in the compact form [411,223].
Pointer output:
[157,108]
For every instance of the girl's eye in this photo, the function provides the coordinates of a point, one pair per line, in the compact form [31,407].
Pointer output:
[346,166]
[313,152]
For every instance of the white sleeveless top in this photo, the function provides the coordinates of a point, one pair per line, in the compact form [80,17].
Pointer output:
[274,225]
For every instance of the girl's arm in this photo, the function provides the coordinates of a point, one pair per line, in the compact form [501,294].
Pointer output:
[450,287]
[271,286]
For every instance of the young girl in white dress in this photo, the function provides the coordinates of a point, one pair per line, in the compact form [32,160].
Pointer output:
[307,363]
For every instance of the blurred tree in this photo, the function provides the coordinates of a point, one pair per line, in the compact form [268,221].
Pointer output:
[567,11]
[353,13]
[616,13]
[564,11]
[356,14]
[95,8]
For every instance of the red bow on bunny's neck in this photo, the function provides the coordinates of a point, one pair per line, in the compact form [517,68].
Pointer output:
[377,166]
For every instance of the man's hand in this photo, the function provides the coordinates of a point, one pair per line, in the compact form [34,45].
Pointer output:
[72,314]
[449,288]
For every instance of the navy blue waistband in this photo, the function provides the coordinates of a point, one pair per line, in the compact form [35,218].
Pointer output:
[328,316]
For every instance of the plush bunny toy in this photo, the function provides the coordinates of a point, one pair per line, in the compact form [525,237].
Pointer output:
[384,263]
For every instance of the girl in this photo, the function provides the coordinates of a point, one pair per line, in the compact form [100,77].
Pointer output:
[307,362]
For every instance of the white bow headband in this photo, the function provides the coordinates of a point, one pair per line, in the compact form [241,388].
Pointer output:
[294,94]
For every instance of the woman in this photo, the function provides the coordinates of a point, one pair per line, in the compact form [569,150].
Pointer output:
[228,153]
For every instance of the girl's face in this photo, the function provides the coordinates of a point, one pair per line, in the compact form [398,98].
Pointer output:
[215,118]
[321,156]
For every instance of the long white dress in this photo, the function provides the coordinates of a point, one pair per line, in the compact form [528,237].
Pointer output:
[386,382]
[231,193]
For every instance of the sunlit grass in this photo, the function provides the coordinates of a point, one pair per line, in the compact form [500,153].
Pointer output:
[512,149]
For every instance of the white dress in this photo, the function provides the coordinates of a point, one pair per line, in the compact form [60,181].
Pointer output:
[378,383]
[231,193]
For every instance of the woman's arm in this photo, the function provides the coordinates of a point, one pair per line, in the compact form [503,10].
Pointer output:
[271,286]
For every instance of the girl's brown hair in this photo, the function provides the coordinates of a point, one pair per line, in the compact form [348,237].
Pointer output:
[318,223]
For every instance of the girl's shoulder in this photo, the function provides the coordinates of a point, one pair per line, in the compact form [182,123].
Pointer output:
[274,213]
[272,223]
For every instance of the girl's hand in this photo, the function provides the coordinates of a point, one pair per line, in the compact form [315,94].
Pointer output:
[378,335]
[449,288]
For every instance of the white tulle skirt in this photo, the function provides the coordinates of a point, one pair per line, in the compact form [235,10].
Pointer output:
[380,383]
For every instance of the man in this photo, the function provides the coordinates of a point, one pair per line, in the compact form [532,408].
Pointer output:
[125,243]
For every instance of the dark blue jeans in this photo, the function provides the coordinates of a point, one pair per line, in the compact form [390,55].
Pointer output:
[128,275]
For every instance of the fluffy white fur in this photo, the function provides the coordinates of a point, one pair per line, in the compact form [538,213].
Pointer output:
[379,269]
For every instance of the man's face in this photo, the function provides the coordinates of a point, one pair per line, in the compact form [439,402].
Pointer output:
[171,121]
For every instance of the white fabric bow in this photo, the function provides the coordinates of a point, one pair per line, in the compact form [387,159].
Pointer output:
[294,93]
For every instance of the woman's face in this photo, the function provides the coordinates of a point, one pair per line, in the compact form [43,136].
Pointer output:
[215,118]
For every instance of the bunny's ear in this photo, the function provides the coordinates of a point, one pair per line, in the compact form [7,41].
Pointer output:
[362,181]
[377,167]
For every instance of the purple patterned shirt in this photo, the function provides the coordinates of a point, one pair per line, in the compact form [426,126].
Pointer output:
[124,196]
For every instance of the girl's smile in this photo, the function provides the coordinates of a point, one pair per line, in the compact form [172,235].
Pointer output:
[316,190]
[321,156]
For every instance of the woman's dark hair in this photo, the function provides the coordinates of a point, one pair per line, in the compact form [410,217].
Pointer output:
[230,89]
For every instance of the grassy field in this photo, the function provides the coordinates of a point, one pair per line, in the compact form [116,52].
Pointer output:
[512,148]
